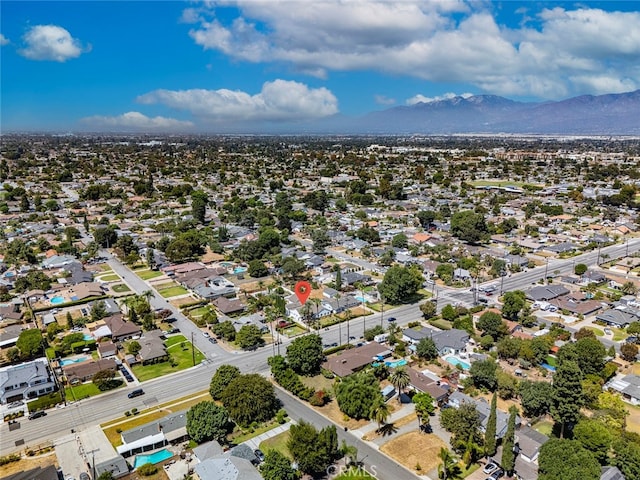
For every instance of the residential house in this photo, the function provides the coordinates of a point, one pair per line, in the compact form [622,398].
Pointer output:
[627,386]
[155,434]
[227,306]
[117,328]
[617,317]
[546,292]
[27,380]
[592,276]
[355,359]
[85,290]
[50,472]
[611,473]
[456,399]
[152,348]
[529,442]
[256,319]
[107,349]
[117,466]
[234,464]
[422,383]
[447,342]
[76,373]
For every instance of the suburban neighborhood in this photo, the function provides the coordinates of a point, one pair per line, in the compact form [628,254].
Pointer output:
[472,308]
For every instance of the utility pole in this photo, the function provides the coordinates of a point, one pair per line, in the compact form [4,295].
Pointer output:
[381,310]
[546,268]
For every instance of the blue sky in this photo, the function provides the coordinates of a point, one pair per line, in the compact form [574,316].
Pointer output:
[194,66]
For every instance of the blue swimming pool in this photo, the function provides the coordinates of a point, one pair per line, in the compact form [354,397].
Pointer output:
[397,363]
[71,361]
[551,368]
[154,458]
[56,300]
[455,361]
[87,337]
[361,299]
[240,269]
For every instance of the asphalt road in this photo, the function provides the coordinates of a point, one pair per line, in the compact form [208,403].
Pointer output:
[90,411]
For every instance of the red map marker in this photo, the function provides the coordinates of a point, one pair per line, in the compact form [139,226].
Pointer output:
[303,290]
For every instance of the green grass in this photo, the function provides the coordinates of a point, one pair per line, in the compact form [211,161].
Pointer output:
[619,334]
[109,278]
[551,361]
[81,391]
[544,427]
[200,311]
[120,288]
[149,274]
[293,331]
[597,331]
[277,442]
[244,436]
[105,268]
[182,358]
[173,291]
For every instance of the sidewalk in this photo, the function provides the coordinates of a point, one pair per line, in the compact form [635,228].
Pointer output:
[255,442]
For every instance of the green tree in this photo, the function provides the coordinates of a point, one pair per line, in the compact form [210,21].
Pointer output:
[629,351]
[250,398]
[320,240]
[428,309]
[427,349]
[463,423]
[590,355]
[357,394]
[305,354]
[313,450]
[566,460]
[208,421]
[580,269]
[595,437]
[426,218]
[224,375]
[30,342]
[104,380]
[199,202]
[277,467]
[490,431]
[400,284]
[626,454]
[257,269]
[106,475]
[567,395]
[449,469]
[512,304]
[98,311]
[491,324]
[249,337]
[133,347]
[379,413]
[448,312]
[469,226]
[400,379]
[424,404]
[611,410]
[508,455]
[399,241]
[633,328]
[484,374]
[507,385]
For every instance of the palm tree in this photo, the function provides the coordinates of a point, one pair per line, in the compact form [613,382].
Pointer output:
[449,468]
[380,413]
[399,379]
[629,288]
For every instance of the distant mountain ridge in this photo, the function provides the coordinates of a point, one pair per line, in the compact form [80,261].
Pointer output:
[611,114]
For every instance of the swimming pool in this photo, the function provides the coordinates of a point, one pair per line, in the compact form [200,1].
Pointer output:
[87,337]
[71,361]
[551,368]
[240,269]
[226,264]
[455,361]
[56,300]
[397,363]
[361,299]
[154,458]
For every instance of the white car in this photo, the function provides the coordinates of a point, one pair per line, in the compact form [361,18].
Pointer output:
[490,467]
[205,334]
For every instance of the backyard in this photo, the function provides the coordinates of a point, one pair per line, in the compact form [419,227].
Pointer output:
[181,357]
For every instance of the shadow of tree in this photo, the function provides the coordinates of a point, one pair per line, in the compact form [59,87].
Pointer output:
[387,429]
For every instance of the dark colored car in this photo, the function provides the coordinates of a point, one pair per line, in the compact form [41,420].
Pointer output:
[136,393]
[38,414]
[391,319]
[259,454]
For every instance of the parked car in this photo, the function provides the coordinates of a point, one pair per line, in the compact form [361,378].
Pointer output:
[213,340]
[259,454]
[205,334]
[37,414]
[496,475]
[490,467]
[391,319]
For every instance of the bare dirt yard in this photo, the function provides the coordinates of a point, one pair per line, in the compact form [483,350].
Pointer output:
[415,449]
[27,463]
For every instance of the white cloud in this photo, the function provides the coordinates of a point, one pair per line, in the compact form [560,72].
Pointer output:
[3,40]
[278,100]
[51,42]
[449,41]
[136,121]
[383,100]
[447,96]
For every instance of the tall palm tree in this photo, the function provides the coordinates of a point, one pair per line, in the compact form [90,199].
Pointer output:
[449,468]
[380,412]
[399,379]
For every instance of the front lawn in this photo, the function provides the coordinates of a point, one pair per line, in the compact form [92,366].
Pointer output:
[597,331]
[120,288]
[619,335]
[413,449]
[81,391]
[277,442]
[173,291]
[148,274]
[181,357]
[109,278]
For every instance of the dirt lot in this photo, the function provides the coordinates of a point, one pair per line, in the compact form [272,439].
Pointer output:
[415,448]
[28,463]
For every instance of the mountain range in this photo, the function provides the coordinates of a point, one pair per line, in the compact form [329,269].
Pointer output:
[611,114]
